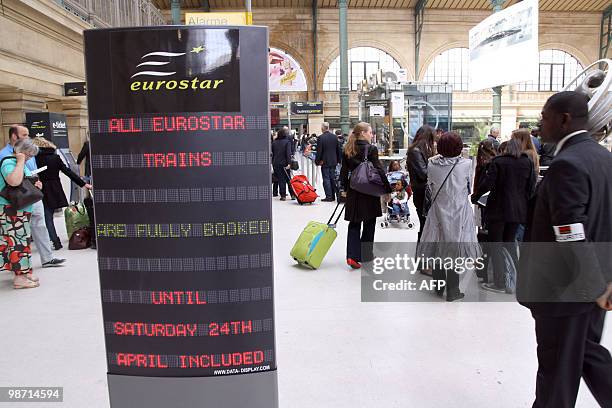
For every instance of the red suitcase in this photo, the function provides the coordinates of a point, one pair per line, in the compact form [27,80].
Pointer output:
[305,193]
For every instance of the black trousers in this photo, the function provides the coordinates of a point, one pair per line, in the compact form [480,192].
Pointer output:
[283,180]
[568,349]
[502,232]
[451,277]
[356,237]
[418,196]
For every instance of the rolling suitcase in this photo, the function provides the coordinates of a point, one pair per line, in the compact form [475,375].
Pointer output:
[314,242]
[305,193]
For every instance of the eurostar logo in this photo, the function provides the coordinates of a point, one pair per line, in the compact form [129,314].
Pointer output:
[197,50]
[157,68]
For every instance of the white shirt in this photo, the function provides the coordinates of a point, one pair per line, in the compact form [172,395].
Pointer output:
[566,138]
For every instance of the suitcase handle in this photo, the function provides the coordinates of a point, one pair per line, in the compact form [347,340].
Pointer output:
[334,213]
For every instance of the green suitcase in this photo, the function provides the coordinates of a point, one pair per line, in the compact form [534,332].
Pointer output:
[76,217]
[314,242]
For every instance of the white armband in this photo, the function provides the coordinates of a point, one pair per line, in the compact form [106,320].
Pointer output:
[569,233]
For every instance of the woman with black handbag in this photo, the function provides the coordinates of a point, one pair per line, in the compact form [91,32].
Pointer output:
[361,208]
[15,236]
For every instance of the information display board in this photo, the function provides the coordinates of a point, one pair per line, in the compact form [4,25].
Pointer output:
[179,129]
[307,108]
[52,126]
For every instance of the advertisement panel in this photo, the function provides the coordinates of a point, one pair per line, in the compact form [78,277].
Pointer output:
[504,47]
[286,75]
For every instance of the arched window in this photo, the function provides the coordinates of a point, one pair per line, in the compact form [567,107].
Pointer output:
[451,66]
[363,62]
[557,68]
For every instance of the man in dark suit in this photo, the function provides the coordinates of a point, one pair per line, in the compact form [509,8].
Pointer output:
[494,136]
[328,156]
[565,272]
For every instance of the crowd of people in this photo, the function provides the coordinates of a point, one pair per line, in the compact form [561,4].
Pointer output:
[487,210]
[21,160]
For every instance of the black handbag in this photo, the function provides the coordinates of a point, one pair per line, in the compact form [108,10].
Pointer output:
[294,165]
[22,195]
[427,201]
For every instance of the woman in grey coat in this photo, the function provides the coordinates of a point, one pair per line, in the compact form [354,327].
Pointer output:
[450,231]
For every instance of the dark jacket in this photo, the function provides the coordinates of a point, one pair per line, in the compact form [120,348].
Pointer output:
[361,207]
[328,150]
[511,182]
[567,275]
[281,151]
[547,153]
[416,164]
[84,155]
[54,196]
[494,141]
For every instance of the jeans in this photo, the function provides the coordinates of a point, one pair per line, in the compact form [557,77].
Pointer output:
[356,238]
[283,179]
[502,232]
[400,209]
[39,232]
[329,181]
[50,224]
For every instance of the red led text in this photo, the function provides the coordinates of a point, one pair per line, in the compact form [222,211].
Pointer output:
[230,328]
[182,160]
[178,298]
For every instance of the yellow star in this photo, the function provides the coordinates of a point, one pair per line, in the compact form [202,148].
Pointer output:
[197,50]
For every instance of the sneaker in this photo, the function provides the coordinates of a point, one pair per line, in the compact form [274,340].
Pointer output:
[55,262]
[22,282]
[283,198]
[31,277]
[492,288]
[353,264]
[57,245]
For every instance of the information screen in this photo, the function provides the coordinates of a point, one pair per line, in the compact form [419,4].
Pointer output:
[181,170]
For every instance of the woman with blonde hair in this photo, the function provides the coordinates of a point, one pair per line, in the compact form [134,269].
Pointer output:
[527,146]
[54,196]
[361,209]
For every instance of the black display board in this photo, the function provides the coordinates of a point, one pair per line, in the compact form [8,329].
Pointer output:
[75,89]
[179,129]
[307,108]
[52,126]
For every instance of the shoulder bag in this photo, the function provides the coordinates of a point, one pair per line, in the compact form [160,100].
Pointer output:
[366,178]
[428,202]
[22,195]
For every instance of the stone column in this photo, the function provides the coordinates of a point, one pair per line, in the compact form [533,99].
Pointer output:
[344,79]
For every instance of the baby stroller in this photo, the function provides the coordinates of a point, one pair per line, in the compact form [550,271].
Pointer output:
[396,203]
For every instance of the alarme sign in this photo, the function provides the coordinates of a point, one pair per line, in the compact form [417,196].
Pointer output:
[181,162]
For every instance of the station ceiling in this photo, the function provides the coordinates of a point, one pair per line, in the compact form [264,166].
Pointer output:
[545,5]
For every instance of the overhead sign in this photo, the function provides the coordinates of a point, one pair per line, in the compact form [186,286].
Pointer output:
[307,108]
[398,104]
[286,75]
[504,47]
[377,111]
[179,127]
[52,126]
[219,19]
[75,89]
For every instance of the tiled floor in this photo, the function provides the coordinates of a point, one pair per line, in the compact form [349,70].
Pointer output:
[333,350]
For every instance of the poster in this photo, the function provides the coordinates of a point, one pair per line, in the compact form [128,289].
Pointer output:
[286,75]
[181,165]
[504,47]
[398,104]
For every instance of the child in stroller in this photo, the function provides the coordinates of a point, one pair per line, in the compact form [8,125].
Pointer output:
[397,202]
